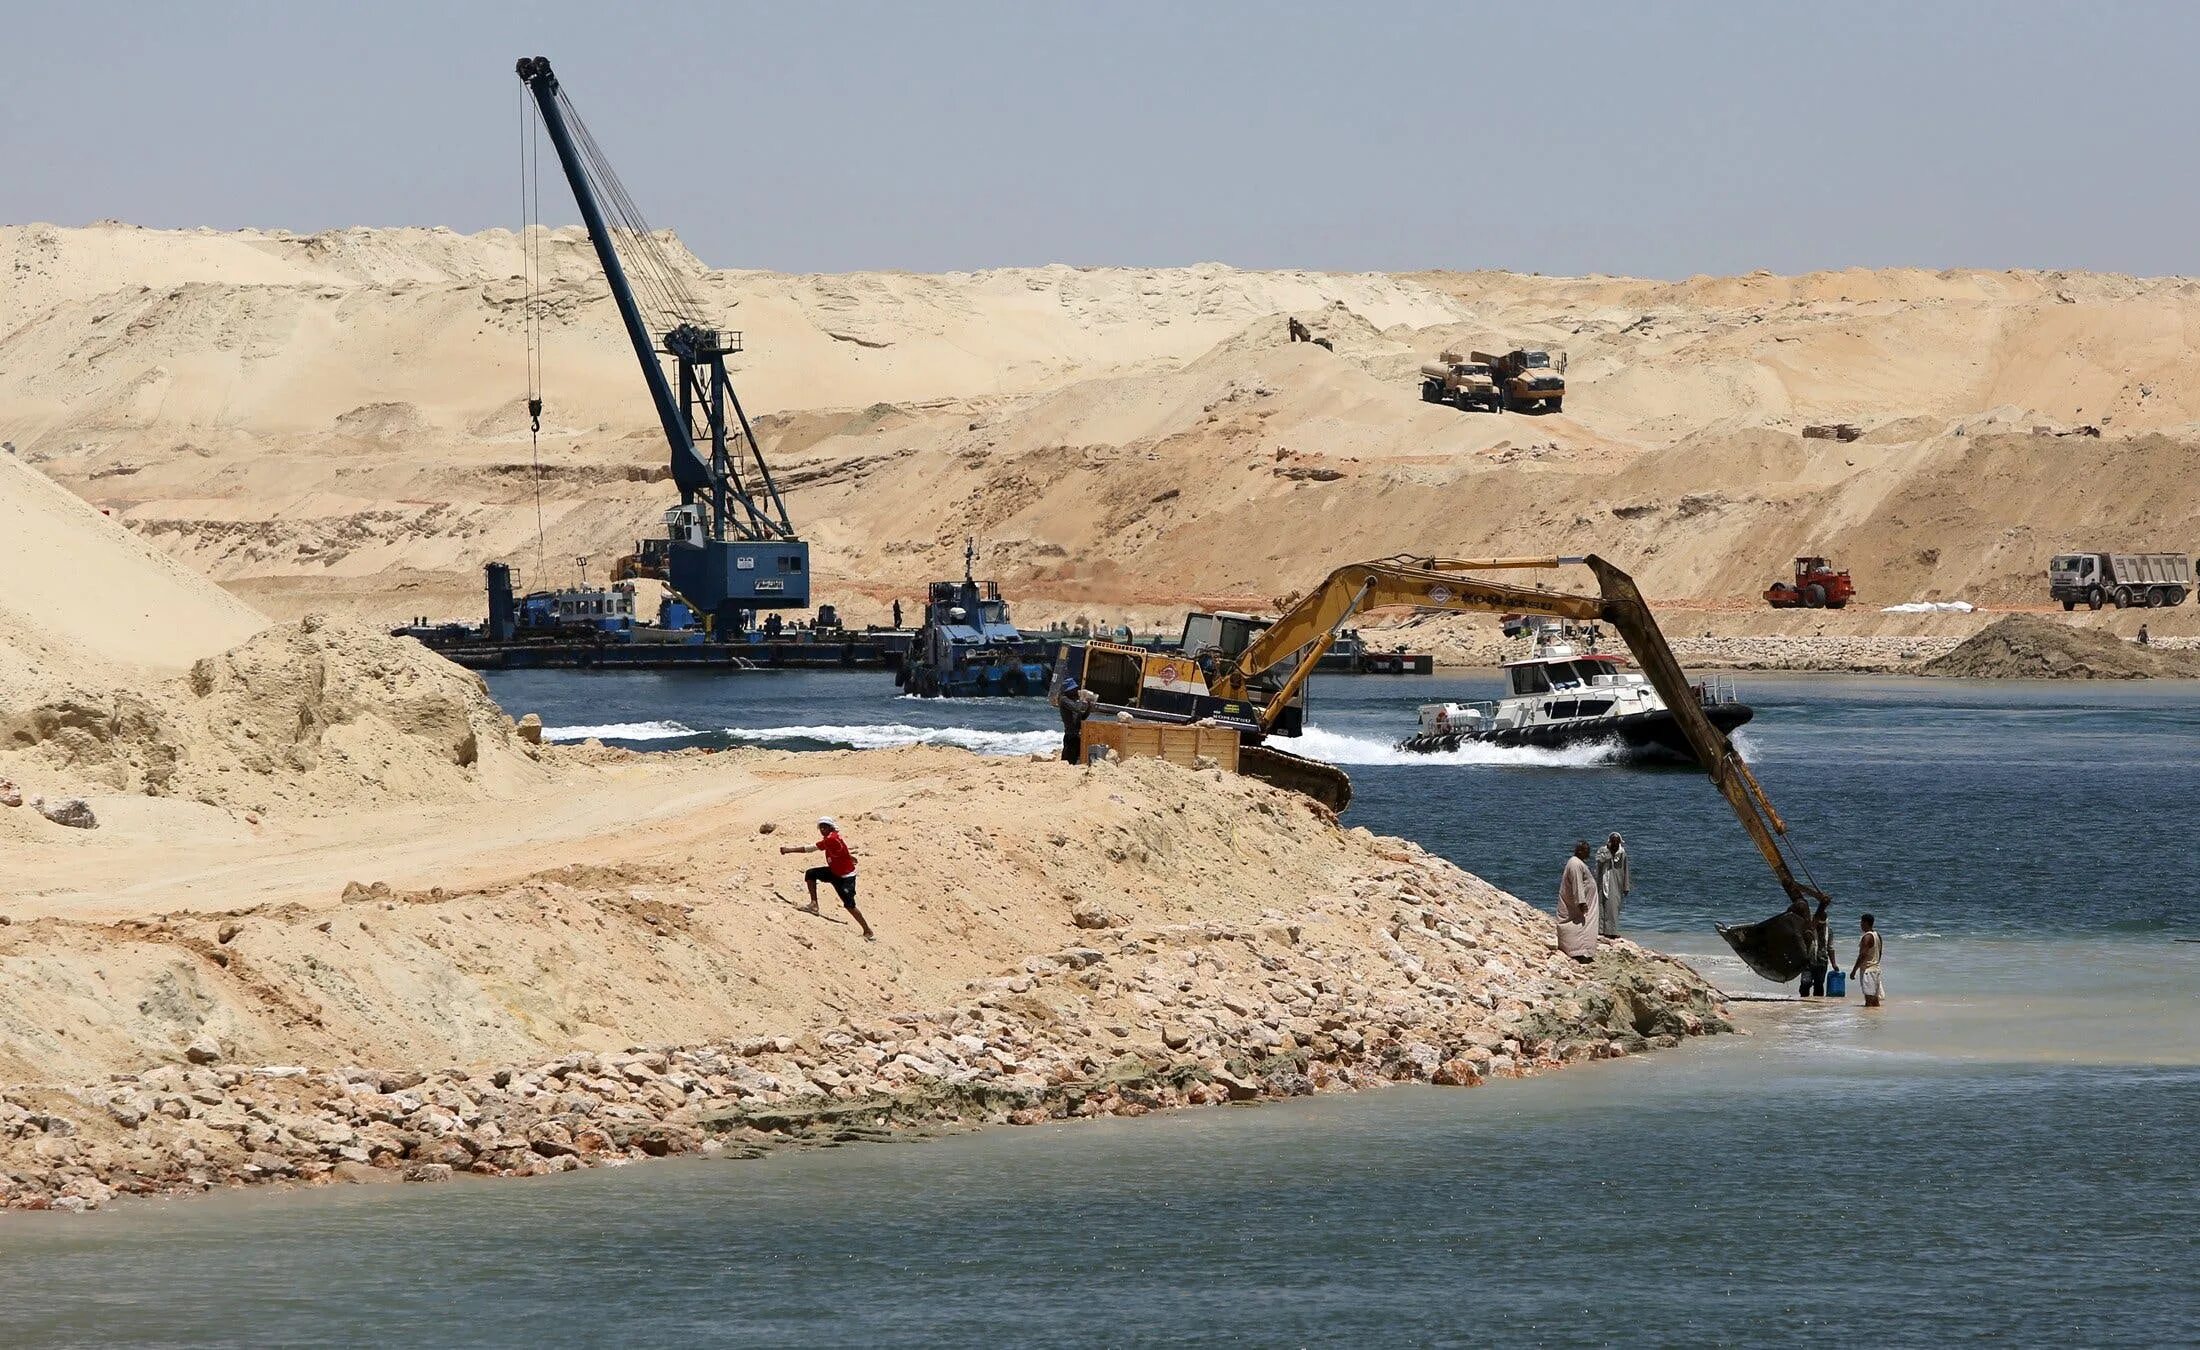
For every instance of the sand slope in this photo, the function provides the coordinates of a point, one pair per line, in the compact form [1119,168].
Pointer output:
[89,601]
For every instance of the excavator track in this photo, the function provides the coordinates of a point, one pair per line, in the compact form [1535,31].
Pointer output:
[1325,783]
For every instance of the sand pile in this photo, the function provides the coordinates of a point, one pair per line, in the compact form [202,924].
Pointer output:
[2023,647]
[317,714]
[89,602]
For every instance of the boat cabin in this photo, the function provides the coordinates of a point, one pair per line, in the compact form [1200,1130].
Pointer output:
[1547,674]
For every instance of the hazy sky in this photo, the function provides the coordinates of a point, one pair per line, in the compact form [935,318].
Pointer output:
[1545,135]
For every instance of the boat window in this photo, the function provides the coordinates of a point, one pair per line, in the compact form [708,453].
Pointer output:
[1563,707]
[1530,679]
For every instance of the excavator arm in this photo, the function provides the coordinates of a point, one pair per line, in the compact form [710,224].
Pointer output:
[1309,626]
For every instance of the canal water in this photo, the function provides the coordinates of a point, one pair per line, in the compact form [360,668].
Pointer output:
[2010,1150]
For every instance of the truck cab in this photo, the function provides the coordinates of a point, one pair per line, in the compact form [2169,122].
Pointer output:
[1528,378]
[2072,577]
[1453,379]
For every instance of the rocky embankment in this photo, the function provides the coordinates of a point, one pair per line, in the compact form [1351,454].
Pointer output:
[1479,646]
[1820,652]
[1416,972]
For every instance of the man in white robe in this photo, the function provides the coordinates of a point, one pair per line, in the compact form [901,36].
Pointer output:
[1613,884]
[1577,906]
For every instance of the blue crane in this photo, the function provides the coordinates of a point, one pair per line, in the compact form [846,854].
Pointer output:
[729,546]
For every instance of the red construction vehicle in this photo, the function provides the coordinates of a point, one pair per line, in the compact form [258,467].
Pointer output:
[1816,586]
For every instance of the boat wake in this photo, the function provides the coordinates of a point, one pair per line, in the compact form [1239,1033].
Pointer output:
[621,731]
[1331,747]
[1335,747]
[878,736]
[889,735]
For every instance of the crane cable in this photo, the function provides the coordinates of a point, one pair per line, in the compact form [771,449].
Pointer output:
[530,246]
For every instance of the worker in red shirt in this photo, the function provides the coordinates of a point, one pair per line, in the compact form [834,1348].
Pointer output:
[839,870]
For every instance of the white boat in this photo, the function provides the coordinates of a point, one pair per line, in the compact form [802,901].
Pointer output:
[1564,693]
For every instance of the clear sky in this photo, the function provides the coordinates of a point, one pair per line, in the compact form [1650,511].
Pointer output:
[1545,135]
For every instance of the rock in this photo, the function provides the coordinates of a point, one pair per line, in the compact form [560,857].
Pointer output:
[530,728]
[1423,1058]
[357,1172]
[660,1141]
[228,931]
[1239,1089]
[550,1139]
[1175,1036]
[74,812]
[10,794]
[1456,1073]
[1093,916]
[204,1050]
[451,1152]
[428,1172]
[767,827]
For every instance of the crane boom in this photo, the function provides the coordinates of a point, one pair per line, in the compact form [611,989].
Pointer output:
[690,471]
[731,546]
[1306,629]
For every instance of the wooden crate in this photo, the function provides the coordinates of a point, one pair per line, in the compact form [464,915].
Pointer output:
[1178,745]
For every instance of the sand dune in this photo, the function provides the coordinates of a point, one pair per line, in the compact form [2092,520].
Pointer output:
[337,419]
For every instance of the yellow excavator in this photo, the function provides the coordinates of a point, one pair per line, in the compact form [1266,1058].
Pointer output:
[1232,670]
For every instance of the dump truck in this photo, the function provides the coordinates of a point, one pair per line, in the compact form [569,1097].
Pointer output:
[2125,580]
[1528,378]
[1452,378]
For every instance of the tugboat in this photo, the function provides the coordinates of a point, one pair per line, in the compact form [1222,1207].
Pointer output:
[1564,693]
[968,648]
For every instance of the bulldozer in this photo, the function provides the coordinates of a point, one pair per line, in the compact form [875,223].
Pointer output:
[1816,586]
[1250,675]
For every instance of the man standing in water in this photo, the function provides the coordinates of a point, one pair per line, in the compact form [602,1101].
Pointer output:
[1866,970]
[839,871]
[1577,906]
[1821,953]
[1613,884]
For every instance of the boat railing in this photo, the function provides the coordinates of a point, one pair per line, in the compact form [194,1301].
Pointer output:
[1714,690]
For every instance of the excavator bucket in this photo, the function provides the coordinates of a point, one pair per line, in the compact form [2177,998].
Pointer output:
[1779,949]
[1325,783]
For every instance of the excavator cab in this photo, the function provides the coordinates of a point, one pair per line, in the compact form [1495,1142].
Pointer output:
[1220,634]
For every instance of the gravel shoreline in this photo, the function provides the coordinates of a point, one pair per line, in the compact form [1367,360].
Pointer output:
[1423,973]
